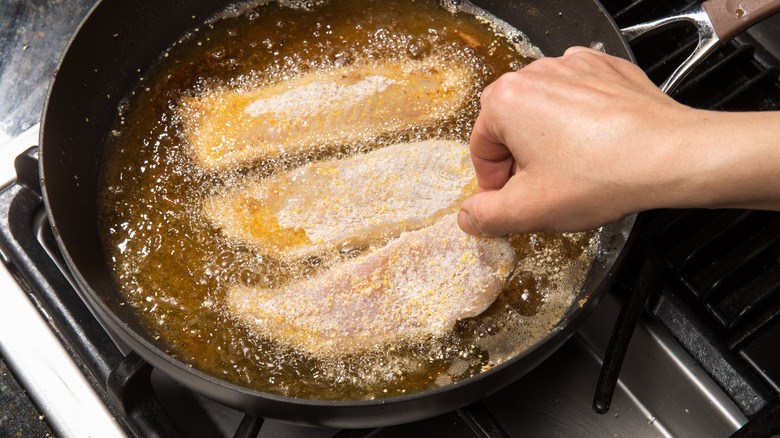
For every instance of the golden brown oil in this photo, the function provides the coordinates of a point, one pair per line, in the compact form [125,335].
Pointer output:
[174,268]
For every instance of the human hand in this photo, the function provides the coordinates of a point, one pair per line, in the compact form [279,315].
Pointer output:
[572,143]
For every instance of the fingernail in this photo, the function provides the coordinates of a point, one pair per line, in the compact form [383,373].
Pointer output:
[466,224]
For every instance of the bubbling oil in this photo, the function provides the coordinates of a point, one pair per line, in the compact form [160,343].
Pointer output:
[174,268]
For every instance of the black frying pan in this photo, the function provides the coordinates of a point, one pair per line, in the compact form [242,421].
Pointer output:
[120,40]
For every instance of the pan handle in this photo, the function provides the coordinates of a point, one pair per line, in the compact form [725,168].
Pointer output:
[716,21]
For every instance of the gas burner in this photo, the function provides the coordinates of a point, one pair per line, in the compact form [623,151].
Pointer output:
[702,360]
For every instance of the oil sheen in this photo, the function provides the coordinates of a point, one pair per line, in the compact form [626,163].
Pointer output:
[174,268]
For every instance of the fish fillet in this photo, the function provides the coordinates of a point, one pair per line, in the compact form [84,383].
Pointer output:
[418,285]
[340,204]
[334,106]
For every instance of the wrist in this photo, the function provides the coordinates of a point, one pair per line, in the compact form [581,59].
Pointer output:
[724,160]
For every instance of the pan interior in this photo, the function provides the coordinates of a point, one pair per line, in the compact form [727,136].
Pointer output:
[173,267]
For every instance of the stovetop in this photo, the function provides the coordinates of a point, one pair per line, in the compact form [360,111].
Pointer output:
[668,387]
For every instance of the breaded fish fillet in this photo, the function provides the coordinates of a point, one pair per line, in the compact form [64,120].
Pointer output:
[339,204]
[418,285]
[334,106]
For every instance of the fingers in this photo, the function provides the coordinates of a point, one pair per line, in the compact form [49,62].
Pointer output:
[473,220]
[492,159]
[594,61]
[577,49]
[493,213]
[549,140]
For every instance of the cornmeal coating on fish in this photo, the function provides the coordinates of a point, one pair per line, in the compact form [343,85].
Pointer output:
[416,286]
[227,127]
[347,203]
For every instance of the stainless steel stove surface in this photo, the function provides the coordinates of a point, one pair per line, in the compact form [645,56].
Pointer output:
[56,361]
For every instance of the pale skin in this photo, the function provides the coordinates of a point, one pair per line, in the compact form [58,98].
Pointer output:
[579,141]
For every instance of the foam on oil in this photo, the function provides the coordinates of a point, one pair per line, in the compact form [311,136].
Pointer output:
[174,267]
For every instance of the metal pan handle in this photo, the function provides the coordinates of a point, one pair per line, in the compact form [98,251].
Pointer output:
[716,21]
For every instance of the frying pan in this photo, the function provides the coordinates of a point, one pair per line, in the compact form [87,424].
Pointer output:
[119,40]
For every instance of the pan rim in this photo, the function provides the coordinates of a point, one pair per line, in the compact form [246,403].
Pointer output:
[154,354]
[157,356]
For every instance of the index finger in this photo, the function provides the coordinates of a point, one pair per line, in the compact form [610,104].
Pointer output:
[492,159]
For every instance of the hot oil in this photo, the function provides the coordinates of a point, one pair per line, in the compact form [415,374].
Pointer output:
[174,268]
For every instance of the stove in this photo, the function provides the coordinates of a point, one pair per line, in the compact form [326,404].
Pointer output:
[702,361]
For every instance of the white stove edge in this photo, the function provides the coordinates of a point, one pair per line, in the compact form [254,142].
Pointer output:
[74,409]
[35,355]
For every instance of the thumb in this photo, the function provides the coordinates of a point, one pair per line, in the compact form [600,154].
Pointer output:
[488,213]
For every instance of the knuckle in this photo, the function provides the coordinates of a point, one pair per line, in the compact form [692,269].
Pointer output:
[478,215]
[497,89]
[507,89]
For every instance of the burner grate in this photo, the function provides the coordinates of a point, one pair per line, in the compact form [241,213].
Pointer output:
[721,299]
[739,76]
[731,264]
[732,301]
[147,402]
[727,267]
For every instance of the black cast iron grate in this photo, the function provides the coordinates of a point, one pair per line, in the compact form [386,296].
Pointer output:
[728,304]
[721,300]
[721,297]
[137,394]
[739,76]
